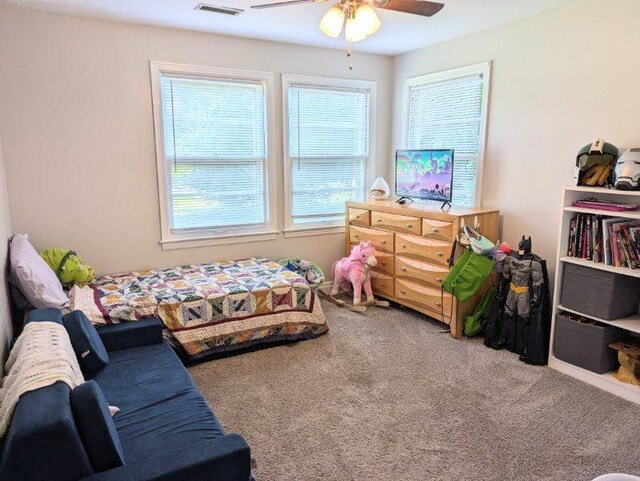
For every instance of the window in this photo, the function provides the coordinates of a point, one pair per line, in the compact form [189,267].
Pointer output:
[213,152]
[328,125]
[449,110]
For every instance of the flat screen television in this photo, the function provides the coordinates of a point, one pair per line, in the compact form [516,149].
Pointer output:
[425,174]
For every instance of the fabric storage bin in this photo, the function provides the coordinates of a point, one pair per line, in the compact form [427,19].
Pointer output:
[587,345]
[599,293]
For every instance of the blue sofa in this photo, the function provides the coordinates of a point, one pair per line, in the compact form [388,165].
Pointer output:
[165,429]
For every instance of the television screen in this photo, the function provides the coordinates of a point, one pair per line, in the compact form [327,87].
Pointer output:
[424,174]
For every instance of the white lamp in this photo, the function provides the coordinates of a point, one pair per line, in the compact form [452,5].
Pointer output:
[368,18]
[331,23]
[354,30]
[380,189]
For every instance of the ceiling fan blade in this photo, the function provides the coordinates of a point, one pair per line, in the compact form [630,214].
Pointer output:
[417,7]
[282,4]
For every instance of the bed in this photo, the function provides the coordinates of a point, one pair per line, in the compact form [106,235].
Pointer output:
[209,308]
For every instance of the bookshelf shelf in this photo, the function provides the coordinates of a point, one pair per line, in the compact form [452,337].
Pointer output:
[601,266]
[632,323]
[602,191]
[628,214]
[604,381]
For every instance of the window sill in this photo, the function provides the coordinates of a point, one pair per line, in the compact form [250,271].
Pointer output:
[205,241]
[313,231]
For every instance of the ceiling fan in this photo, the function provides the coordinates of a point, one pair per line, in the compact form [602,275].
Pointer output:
[359,17]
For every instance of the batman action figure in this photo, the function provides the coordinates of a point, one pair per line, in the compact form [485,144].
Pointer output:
[520,317]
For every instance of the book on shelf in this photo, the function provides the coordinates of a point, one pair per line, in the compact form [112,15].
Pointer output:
[614,241]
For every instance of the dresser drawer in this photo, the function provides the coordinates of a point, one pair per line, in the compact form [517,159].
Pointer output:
[421,271]
[428,249]
[359,217]
[401,223]
[437,229]
[379,239]
[385,262]
[382,284]
[424,296]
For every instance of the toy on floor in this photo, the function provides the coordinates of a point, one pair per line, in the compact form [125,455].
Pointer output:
[629,359]
[520,315]
[68,267]
[356,271]
[307,269]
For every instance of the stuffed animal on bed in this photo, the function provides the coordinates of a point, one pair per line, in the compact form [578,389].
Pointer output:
[68,267]
[305,267]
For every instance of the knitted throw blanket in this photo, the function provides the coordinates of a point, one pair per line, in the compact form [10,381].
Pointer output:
[41,356]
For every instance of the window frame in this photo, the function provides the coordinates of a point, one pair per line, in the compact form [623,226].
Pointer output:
[484,69]
[169,239]
[323,227]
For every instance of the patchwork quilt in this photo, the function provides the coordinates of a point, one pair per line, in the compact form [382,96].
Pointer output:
[209,308]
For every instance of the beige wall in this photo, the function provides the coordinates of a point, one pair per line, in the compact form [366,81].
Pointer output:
[559,80]
[77,127]
[5,235]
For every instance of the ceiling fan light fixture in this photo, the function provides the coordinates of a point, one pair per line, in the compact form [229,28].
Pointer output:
[332,21]
[368,18]
[354,31]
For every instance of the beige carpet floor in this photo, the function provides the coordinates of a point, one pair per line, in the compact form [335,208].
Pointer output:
[385,397]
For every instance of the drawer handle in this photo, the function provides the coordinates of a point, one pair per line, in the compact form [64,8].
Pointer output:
[379,220]
[439,254]
[438,303]
[409,226]
[403,292]
[355,236]
[403,269]
[402,246]
[438,279]
[383,241]
[435,229]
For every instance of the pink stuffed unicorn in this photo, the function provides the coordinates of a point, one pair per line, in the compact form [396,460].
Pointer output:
[356,269]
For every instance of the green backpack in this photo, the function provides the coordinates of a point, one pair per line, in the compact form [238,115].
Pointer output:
[474,324]
[467,275]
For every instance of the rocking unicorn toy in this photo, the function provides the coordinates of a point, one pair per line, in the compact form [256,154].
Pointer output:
[356,270]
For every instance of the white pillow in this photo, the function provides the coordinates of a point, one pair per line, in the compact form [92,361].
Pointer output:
[33,275]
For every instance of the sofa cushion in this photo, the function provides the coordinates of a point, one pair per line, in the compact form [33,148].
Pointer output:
[96,426]
[44,315]
[86,342]
[33,276]
[43,442]
[127,335]
[160,406]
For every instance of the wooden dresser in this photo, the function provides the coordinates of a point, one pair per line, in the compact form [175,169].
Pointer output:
[413,245]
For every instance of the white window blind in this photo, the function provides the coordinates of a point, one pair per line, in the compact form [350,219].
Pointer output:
[215,152]
[328,151]
[448,114]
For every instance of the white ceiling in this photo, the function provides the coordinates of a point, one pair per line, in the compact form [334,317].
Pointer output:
[298,24]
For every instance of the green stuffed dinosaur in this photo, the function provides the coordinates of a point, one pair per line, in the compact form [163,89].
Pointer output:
[68,267]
